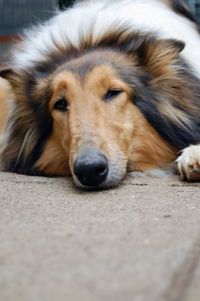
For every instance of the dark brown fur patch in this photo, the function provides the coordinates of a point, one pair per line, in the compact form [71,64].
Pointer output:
[29,123]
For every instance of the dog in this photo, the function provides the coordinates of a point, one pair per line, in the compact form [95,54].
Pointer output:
[104,88]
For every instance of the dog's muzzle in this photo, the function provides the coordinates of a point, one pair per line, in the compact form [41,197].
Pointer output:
[91,168]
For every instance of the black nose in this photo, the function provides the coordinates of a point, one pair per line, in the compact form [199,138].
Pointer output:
[91,168]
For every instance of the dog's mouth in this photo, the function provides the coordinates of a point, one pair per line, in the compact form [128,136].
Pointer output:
[92,170]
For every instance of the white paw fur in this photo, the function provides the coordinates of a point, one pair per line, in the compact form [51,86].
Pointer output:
[189,163]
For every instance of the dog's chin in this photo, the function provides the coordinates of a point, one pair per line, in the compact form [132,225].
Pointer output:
[115,176]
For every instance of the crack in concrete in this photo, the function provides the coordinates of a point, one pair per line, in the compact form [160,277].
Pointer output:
[183,277]
[136,184]
[185,185]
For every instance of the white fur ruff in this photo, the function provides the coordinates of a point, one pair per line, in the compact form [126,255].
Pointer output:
[70,26]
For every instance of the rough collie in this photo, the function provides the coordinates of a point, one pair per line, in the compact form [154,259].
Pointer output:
[103,88]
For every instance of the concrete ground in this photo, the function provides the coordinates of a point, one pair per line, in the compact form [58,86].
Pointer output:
[138,242]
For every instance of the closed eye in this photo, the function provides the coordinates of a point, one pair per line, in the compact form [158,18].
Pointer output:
[112,94]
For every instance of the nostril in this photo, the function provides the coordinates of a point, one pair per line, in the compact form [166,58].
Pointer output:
[101,170]
[91,169]
[82,178]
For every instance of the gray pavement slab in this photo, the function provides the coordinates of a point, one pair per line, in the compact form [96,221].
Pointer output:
[193,290]
[137,242]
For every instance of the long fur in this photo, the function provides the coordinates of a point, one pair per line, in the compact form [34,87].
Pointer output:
[95,19]
[166,72]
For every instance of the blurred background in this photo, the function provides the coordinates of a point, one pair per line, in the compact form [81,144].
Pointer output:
[15,15]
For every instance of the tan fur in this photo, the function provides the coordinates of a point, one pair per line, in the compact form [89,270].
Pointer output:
[148,149]
[5,93]
[114,127]
[53,160]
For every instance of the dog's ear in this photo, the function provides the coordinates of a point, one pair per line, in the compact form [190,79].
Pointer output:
[29,123]
[157,55]
[20,81]
[7,73]
[14,77]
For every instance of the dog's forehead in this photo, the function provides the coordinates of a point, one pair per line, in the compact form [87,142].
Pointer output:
[101,60]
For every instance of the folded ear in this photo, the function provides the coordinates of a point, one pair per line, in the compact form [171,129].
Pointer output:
[20,81]
[5,72]
[13,76]
[157,55]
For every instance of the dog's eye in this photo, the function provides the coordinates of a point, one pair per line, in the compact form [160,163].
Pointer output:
[61,105]
[111,94]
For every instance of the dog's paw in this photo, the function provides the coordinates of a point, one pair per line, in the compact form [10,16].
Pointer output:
[189,163]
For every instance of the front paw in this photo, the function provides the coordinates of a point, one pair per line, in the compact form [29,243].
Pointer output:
[189,163]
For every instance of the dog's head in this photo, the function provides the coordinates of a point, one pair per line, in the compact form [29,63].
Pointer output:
[88,116]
